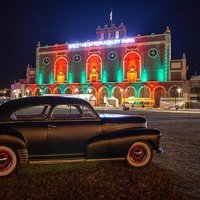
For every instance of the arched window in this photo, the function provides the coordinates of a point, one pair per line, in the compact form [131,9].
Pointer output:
[60,71]
[132,65]
[94,67]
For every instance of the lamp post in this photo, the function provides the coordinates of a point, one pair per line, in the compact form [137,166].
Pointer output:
[179,95]
[123,97]
[28,92]
[40,92]
[124,102]
[77,91]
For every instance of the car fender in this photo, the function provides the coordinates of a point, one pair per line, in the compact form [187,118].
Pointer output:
[17,144]
[117,144]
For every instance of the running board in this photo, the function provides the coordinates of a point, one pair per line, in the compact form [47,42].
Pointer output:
[72,161]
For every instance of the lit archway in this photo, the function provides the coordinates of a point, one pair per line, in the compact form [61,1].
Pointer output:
[38,91]
[159,92]
[68,90]
[103,94]
[61,70]
[92,97]
[132,66]
[145,92]
[47,90]
[94,68]
[28,92]
[117,94]
[129,92]
[57,90]
[173,91]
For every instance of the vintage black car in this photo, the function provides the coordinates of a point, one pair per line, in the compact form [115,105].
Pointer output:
[60,127]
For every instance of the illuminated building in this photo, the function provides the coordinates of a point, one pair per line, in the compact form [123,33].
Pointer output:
[115,68]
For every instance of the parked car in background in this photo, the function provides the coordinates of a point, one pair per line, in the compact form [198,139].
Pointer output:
[58,127]
[4,99]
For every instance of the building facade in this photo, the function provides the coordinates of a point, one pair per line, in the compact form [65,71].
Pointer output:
[112,71]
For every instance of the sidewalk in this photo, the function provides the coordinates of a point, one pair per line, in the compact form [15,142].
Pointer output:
[185,110]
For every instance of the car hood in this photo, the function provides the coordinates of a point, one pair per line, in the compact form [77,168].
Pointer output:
[114,122]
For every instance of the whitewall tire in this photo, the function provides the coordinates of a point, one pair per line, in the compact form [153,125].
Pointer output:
[140,154]
[8,161]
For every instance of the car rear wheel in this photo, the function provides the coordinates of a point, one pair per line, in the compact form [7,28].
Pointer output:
[140,154]
[8,161]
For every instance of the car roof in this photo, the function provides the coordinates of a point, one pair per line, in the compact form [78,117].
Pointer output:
[9,107]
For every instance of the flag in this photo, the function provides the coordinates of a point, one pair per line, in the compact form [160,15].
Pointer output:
[111,15]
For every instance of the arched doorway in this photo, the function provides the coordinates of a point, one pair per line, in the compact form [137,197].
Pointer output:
[28,92]
[158,93]
[68,91]
[117,94]
[47,90]
[173,91]
[144,92]
[129,92]
[92,96]
[38,92]
[57,91]
[103,94]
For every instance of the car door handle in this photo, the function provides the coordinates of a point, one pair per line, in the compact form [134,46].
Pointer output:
[51,126]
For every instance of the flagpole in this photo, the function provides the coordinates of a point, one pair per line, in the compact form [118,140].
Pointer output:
[111,17]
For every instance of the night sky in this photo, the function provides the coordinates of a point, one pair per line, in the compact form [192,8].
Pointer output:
[25,22]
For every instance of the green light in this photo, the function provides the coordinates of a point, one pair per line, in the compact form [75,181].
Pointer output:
[62,88]
[137,89]
[144,75]
[109,90]
[71,77]
[51,78]
[104,76]
[40,77]
[119,75]
[160,75]
[83,77]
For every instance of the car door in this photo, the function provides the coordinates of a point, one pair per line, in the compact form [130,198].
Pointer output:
[30,122]
[71,126]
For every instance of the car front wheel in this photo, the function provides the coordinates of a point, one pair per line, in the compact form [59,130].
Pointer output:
[8,161]
[140,154]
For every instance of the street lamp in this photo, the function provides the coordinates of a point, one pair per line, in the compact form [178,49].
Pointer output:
[28,92]
[40,94]
[179,95]
[124,102]
[123,97]
[4,92]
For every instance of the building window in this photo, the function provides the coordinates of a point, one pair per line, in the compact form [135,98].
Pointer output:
[94,66]
[61,70]
[132,67]
[116,34]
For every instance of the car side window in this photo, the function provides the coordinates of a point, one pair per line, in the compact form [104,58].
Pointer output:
[31,113]
[72,112]
[87,112]
[66,112]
